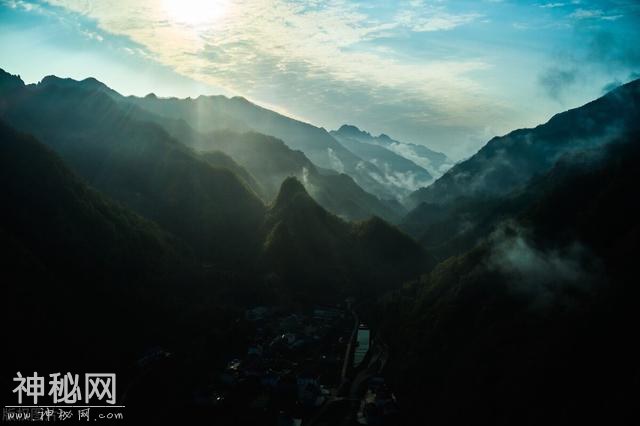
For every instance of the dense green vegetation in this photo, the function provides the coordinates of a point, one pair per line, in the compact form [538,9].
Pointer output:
[88,283]
[533,325]
[208,201]
[140,165]
[120,239]
[321,255]
[107,284]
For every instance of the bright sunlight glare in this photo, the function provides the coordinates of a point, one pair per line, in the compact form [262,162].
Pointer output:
[195,12]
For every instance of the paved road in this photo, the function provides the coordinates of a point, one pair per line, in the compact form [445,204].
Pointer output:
[351,347]
[344,375]
[352,390]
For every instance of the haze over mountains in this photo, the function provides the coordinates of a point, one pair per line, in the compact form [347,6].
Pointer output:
[209,113]
[506,292]
[207,200]
[272,164]
[534,321]
[413,165]
[106,212]
[476,194]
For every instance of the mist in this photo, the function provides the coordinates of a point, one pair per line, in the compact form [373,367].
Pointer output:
[545,276]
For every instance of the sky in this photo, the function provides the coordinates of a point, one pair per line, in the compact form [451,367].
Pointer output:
[448,74]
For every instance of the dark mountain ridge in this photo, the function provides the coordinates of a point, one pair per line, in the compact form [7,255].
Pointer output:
[137,163]
[533,324]
[466,203]
[72,256]
[270,163]
[305,243]
[509,161]
[197,198]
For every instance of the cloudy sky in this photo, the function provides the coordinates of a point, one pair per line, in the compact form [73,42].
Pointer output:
[447,74]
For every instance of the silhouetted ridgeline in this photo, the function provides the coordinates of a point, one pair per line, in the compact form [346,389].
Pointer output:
[534,324]
[467,202]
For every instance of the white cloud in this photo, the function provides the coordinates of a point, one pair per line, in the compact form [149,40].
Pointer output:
[336,163]
[21,4]
[545,276]
[261,48]
[586,13]
[324,61]
[421,16]
[434,20]
[594,14]
[551,5]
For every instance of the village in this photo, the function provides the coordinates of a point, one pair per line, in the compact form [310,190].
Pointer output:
[297,369]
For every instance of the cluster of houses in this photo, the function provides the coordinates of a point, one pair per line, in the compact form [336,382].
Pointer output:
[293,361]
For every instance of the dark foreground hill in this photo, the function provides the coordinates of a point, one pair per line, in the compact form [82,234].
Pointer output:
[90,285]
[534,325]
[320,254]
[137,163]
[100,286]
[78,267]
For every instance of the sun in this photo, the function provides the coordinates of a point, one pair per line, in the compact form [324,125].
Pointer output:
[195,12]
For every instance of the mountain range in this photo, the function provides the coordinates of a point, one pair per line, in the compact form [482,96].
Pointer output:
[205,198]
[386,169]
[474,195]
[209,113]
[506,295]
[533,322]
[414,164]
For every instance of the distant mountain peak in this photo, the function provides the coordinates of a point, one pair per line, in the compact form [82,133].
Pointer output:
[89,83]
[290,188]
[241,99]
[351,130]
[54,79]
[294,203]
[348,128]
[9,80]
